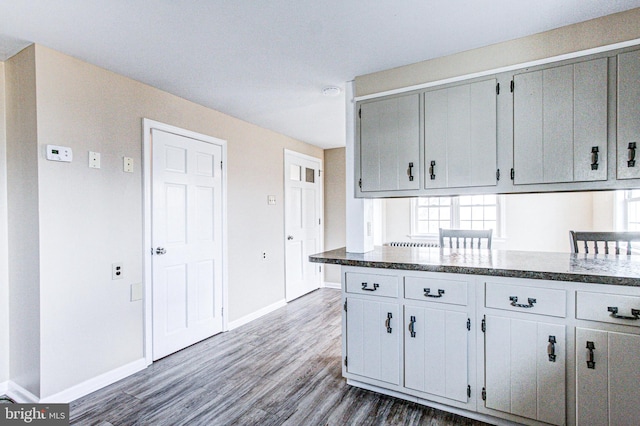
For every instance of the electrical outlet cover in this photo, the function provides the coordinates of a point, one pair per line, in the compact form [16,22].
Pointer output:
[94,160]
[117,272]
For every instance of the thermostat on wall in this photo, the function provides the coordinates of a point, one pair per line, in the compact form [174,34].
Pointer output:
[59,153]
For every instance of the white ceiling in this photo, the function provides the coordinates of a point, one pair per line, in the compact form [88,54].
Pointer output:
[267,61]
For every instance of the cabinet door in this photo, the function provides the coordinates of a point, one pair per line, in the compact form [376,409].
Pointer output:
[460,136]
[373,343]
[628,114]
[560,124]
[520,377]
[607,374]
[390,144]
[436,352]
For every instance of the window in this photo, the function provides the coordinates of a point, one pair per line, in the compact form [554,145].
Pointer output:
[631,210]
[464,212]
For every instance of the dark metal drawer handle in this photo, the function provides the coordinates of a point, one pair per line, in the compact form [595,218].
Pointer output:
[375,287]
[594,158]
[428,290]
[614,313]
[514,300]
[432,170]
[412,323]
[591,360]
[551,349]
[631,162]
[410,172]
[387,323]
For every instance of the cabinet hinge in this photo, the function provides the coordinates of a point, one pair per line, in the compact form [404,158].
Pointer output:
[513,173]
[345,362]
[513,85]
[469,324]
[484,394]
[497,88]
[498,174]
[345,306]
[360,183]
[320,269]
[468,391]
[483,326]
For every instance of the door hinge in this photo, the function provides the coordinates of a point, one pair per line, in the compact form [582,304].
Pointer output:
[513,85]
[498,174]
[320,268]
[497,88]
[513,174]
[469,324]
[483,326]
[345,306]
[222,311]
[360,183]
[319,221]
[360,113]
[468,391]
[319,172]
[346,364]
[484,394]
[221,165]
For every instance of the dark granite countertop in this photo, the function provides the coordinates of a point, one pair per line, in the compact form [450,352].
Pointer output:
[586,268]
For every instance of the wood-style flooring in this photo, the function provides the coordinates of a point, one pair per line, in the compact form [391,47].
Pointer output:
[282,369]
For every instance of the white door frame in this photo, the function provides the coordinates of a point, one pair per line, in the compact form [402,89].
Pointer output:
[147,243]
[288,152]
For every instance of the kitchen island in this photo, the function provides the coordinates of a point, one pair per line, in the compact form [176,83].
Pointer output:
[508,337]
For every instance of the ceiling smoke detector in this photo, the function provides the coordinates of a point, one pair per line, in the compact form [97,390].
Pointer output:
[331,91]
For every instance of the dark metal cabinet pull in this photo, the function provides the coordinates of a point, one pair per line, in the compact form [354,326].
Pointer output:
[428,290]
[375,287]
[614,313]
[631,161]
[412,329]
[514,300]
[594,158]
[551,349]
[387,323]
[410,172]
[432,170]
[591,360]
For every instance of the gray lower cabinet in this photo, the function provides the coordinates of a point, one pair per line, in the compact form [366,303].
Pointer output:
[390,144]
[560,123]
[628,115]
[460,136]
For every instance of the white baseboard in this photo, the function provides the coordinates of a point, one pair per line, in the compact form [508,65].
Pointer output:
[257,314]
[20,394]
[328,284]
[96,383]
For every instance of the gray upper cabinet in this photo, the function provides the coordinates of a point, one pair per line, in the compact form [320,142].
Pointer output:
[560,124]
[390,144]
[628,114]
[460,136]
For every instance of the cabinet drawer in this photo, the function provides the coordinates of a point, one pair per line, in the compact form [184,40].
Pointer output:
[372,284]
[601,307]
[436,290]
[532,300]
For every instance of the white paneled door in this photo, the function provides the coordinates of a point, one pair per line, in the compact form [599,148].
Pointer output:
[303,223]
[187,241]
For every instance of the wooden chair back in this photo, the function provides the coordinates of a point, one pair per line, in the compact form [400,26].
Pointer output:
[592,239]
[469,238]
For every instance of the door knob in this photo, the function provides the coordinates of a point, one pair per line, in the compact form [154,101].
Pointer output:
[161,250]
[290,237]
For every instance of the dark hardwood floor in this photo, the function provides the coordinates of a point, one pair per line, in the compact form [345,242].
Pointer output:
[283,369]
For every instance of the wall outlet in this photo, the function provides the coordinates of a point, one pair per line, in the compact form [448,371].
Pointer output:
[94,160]
[264,255]
[127,165]
[271,200]
[116,271]
[136,292]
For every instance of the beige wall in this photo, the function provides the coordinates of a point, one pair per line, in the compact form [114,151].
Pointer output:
[4,268]
[90,218]
[607,30]
[335,222]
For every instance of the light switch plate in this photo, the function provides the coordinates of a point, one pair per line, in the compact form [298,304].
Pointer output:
[136,292]
[94,160]
[128,164]
[59,153]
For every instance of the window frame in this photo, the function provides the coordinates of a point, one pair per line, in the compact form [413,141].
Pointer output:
[498,232]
